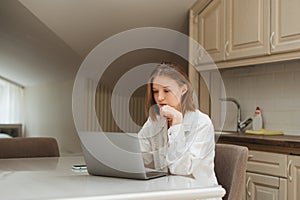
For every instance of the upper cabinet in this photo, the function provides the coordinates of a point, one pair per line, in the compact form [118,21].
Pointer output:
[243,32]
[285,27]
[247,28]
[210,29]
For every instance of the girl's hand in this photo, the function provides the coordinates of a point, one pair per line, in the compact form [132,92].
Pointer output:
[171,114]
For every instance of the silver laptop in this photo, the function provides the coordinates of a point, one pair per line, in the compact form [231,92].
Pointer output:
[115,155]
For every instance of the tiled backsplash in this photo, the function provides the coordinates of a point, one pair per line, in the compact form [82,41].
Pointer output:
[274,87]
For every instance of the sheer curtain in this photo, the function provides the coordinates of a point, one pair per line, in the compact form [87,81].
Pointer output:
[11,103]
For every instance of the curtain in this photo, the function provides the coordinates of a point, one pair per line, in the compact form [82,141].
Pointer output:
[11,103]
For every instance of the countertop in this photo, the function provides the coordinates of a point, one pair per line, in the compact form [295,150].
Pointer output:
[286,144]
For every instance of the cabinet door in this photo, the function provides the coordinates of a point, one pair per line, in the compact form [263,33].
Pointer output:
[211,32]
[294,178]
[263,187]
[273,164]
[248,28]
[285,26]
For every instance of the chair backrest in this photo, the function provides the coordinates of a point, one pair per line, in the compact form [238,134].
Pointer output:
[230,168]
[28,147]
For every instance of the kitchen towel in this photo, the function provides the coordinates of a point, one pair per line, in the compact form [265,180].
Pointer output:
[264,132]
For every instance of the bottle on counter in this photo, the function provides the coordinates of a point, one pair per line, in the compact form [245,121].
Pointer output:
[257,123]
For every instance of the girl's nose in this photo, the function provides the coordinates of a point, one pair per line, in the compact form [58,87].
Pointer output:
[161,96]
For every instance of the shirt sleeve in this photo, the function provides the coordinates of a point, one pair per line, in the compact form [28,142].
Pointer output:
[153,142]
[188,151]
[145,143]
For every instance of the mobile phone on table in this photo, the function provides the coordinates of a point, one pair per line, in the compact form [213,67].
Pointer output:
[79,167]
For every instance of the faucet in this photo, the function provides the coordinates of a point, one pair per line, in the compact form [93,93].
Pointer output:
[240,124]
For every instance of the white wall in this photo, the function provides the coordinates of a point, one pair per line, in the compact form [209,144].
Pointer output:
[275,88]
[48,112]
[33,56]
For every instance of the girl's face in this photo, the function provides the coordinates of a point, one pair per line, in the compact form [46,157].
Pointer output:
[166,91]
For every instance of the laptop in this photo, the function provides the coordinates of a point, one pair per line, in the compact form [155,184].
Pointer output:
[115,154]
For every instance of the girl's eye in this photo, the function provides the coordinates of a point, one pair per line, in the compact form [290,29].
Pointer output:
[166,91]
[155,91]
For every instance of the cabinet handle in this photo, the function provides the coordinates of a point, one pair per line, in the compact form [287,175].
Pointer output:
[289,170]
[200,52]
[226,48]
[197,55]
[250,156]
[247,187]
[271,40]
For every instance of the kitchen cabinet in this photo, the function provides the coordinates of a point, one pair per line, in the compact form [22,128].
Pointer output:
[272,176]
[285,28]
[273,164]
[270,156]
[209,31]
[293,169]
[246,32]
[266,176]
[247,28]
[265,187]
[231,29]
[239,33]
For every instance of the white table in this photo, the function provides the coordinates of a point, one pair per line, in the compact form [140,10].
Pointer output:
[53,178]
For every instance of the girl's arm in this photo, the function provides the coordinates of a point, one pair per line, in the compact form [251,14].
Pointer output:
[191,151]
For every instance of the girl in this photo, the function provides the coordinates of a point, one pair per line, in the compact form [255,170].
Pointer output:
[177,137]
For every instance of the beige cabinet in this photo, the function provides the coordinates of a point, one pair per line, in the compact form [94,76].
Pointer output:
[246,32]
[272,176]
[231,29]
[266,176]
[273,164]
[293,170]
[239,33]
[210,24]
[285,26]
[207,27]
[264,187]
[247,28]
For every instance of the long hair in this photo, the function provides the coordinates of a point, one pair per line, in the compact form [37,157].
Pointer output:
[175,72]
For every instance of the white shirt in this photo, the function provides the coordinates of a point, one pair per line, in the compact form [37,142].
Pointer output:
[186,149]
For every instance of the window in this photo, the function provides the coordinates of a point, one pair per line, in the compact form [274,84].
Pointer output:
[11,102]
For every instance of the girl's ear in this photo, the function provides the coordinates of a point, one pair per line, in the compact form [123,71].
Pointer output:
[184,89]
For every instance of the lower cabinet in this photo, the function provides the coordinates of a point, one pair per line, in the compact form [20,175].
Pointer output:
[293,170]
[272,176]
[265,187]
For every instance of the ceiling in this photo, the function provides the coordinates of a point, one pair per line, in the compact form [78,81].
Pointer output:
[47,40]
